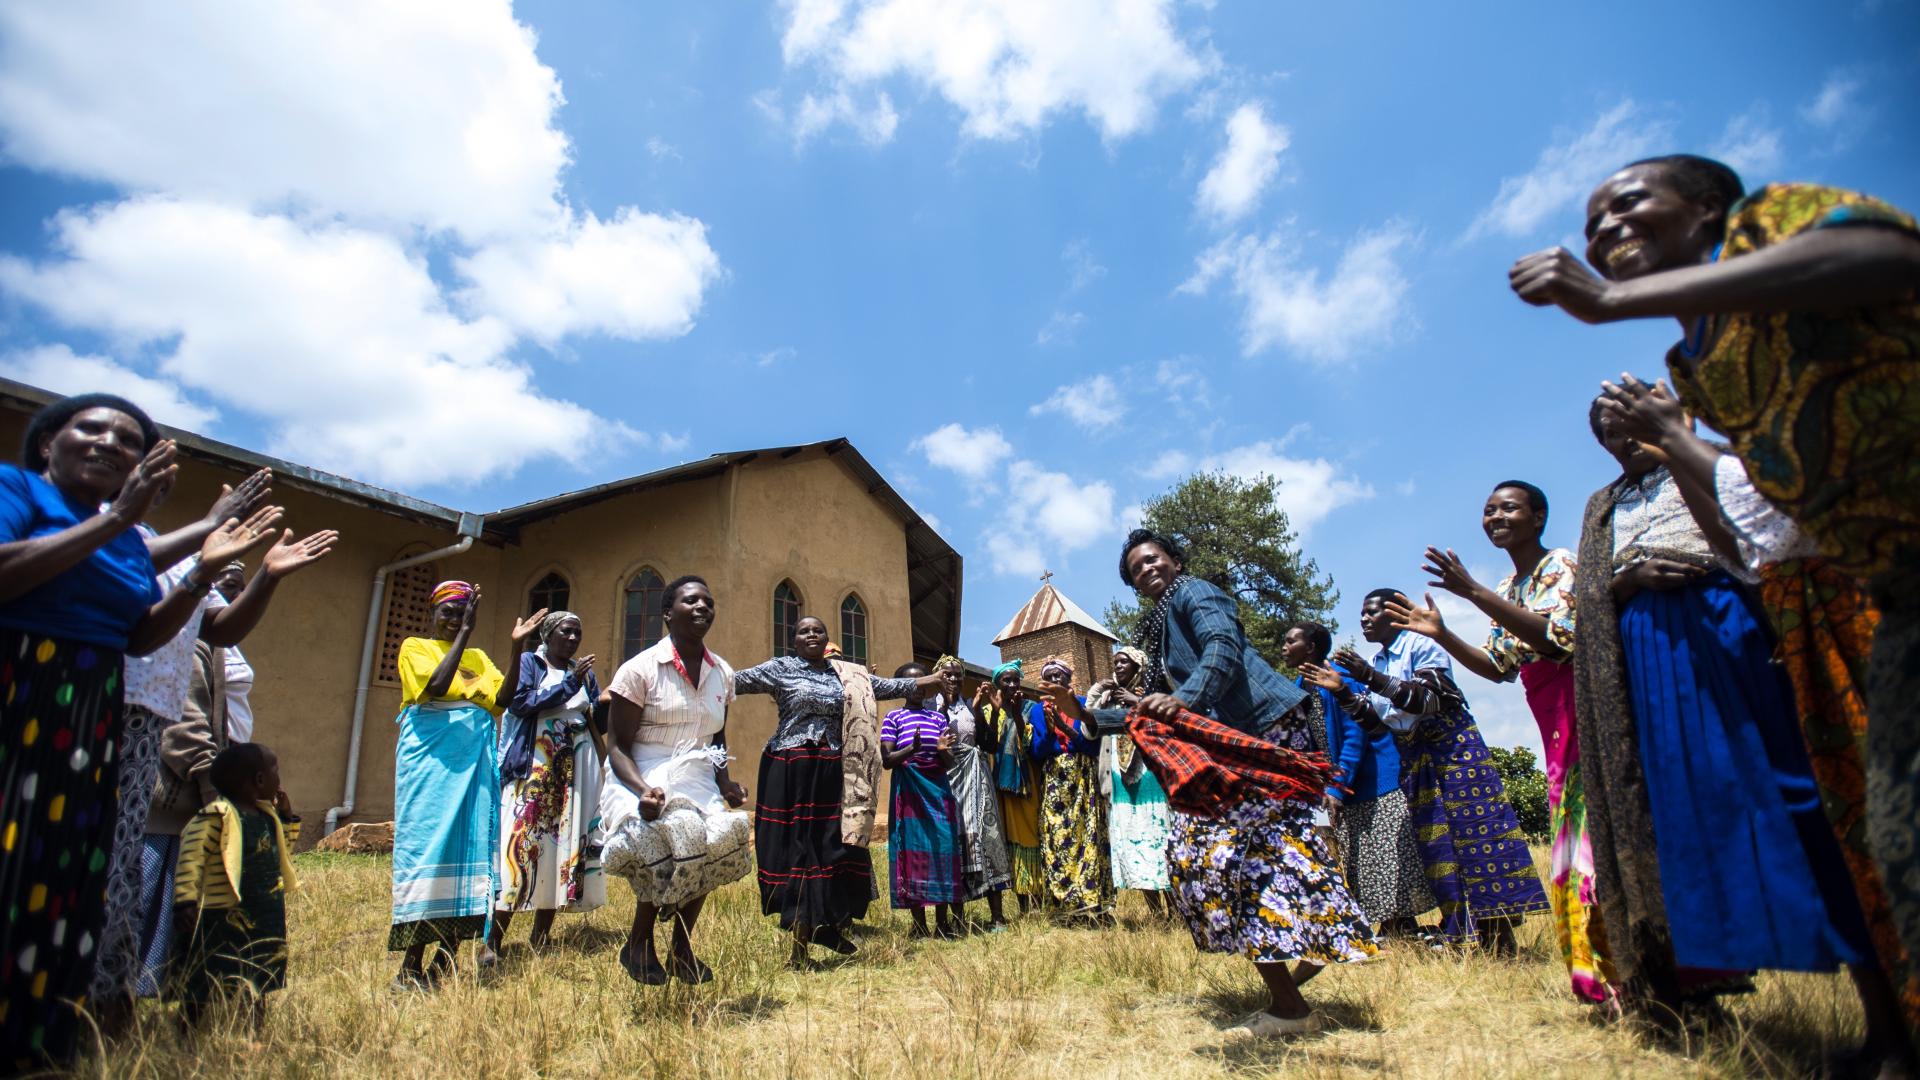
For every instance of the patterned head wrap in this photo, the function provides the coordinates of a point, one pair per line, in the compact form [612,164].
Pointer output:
[832,650]
[1014,665]
[949,660]
[1057,664]
[449,591]
[552,622]
[1139,658]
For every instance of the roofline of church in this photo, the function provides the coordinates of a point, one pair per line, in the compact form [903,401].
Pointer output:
[930,557]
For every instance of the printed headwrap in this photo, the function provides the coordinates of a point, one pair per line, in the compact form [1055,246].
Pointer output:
[832,651]
[552,622]
[1014,665]
[1139,658]
[451,590]
[949,660]
[1057,663]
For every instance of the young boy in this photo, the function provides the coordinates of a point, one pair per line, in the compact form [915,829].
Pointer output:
[923,832]
[230,904]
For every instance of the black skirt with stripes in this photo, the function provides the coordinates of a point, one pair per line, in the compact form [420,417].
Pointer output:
[808,877]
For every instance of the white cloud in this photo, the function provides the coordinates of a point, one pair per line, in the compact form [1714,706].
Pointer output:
[1070,514]
[1567,171]
[874,122]
[1309,489]
[1083,267]
[1006,65]
[975,454]
[433,114]
[1245,165]
[775,356]
[333,335]
[1835,102]
[59,369]
[1016,558]
[637,276]
[1091,404]
[1362,304]
[1181,380]
[660,149]
[1060,328]
[1750,143]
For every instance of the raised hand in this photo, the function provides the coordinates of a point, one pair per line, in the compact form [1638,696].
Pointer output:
[473,608]
[1451,573]
[522,628]
[288,555]
[1324,677]
[1646,413]
[149,481]
[282,804]
[1558,278]
[241,501]
[1420,620]
[1352,663]
[583,665]
[235,538]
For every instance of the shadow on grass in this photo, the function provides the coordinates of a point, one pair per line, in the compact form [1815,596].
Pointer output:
[584,938]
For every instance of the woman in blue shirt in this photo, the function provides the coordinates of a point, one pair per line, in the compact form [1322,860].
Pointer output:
[77,594]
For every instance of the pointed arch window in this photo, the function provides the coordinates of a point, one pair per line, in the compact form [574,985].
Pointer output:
[853,629]
[786,617]
[644,623]
[551,592]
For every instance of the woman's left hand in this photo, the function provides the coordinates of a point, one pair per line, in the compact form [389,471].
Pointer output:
[235,538]
[1162,707]
[1557,278]
[1648,414]
[288,555]
[734,792]
[524,628]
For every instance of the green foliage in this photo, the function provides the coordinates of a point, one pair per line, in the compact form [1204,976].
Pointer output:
[1238,538]
[1526,789]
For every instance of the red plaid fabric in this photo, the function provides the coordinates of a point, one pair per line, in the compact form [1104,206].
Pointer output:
[1208,768]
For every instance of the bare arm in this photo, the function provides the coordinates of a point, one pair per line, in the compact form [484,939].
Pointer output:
[231,624]
[25,565]
[234,502]
[1828,269]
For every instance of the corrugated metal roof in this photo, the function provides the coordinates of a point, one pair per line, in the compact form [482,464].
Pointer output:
[1050,608]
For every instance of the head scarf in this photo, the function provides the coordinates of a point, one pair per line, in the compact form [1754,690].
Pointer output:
[1014,665]
[1139,659]
[1056,662]
[832,650]
[949,660]
[450,591]
[552,622]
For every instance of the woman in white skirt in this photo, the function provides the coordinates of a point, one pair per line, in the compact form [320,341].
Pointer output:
[668,805]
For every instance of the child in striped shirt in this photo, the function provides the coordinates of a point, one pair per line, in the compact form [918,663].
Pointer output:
[927,864]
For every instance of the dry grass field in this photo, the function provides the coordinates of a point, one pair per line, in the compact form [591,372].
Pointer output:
[1038,1001]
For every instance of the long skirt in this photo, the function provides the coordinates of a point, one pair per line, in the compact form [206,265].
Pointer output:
[1381,862]
[1825,622]
[446,787]
[1570,874]
[550,827]
[1477,860]
[117,970]
[697,844]
[153,904]
[988,867]
[1073,836]
[1735,809]
[1893,747]
[1259,882]
[60,717]
[1138,823]
[1020,815]
[924,856]
[808,875]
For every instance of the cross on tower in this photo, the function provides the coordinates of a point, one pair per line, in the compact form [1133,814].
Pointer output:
[1046,578]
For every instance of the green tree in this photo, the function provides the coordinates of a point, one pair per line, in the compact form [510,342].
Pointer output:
[1526,789]
[1238,538]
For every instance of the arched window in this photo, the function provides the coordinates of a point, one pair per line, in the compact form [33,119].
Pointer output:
[853,630]
[409,614]
[786,616]
[551,592]
[645,624]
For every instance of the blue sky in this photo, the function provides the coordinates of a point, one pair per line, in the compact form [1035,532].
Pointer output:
[1037,260]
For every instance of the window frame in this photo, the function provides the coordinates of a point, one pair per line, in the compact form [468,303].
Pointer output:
[798,603]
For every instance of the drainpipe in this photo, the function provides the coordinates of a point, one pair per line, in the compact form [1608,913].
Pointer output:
[469,528]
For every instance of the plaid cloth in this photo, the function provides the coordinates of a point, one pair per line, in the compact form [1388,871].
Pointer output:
[1209,768]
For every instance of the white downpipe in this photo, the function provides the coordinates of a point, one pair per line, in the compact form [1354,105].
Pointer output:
[366,662]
